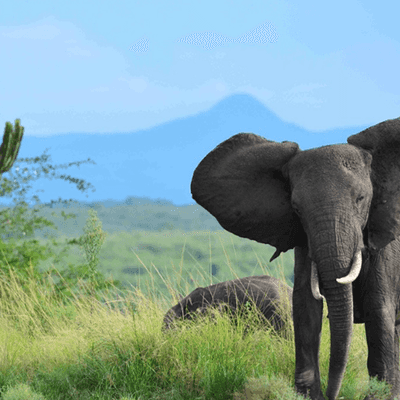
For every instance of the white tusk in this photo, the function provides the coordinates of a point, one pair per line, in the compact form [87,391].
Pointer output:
[315,283]
[354,270]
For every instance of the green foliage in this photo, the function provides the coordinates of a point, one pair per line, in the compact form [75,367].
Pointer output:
[18,247]
[18,184]
[85,277]
[378,390]
[142,215]
[272,388]
[92,241]
[21,392]
[20,255]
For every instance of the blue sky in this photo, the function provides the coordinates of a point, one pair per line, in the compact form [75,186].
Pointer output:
[102,66]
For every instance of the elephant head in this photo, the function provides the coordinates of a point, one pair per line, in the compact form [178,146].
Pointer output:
[333,202]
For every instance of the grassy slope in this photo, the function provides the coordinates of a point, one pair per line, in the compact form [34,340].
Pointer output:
[82,349]
[199,258]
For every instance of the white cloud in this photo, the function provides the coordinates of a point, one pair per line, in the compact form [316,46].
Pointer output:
[35,31]
[207,40]
[101,89]
[141,46]
[264,33]
[60,78]
[218,55]
[221,87]
[136,84]
[304,94]
[79,51]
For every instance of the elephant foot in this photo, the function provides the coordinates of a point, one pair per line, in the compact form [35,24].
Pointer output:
[311,393]
[308,396]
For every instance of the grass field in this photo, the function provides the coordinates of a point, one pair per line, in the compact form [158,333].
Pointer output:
[191,259]
[81,348]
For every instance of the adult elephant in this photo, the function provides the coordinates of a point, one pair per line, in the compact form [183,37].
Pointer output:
[338,206]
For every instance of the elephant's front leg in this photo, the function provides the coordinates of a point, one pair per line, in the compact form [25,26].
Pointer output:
[383,347]
[382,317]
[307,319]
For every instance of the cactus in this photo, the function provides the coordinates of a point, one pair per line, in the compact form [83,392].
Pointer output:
[11,142]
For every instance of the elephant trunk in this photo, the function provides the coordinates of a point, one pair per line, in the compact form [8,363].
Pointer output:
[351,277]
[340,307]
[334,262]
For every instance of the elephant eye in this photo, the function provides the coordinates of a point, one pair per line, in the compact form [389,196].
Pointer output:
[359,198]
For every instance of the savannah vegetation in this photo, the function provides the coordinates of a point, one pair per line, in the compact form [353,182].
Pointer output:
[81,316]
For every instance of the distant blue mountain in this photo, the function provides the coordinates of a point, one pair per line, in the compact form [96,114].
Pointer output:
[158,162]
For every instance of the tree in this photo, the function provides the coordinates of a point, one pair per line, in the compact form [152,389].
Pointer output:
[19,249]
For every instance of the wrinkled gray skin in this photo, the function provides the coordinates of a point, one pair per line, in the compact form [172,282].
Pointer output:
[331,204]
[268,293]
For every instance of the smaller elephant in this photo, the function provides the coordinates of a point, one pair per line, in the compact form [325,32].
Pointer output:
[269,294]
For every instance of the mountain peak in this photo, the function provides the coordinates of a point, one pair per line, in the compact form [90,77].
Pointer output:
[242,103]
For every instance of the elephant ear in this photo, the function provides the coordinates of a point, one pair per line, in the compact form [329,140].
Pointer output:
[241,183]
[383,142]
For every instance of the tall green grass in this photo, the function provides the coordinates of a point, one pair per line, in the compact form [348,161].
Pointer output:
[79,347]
[201,258]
